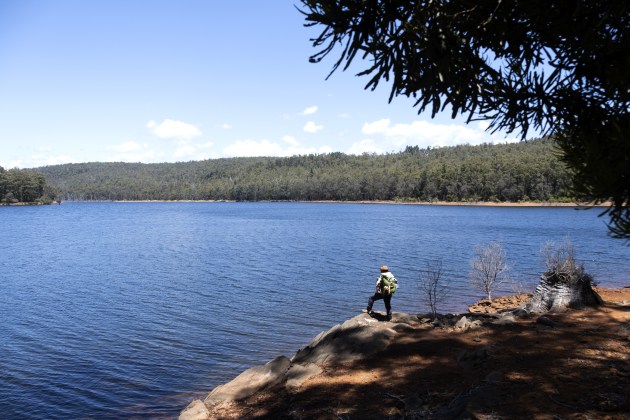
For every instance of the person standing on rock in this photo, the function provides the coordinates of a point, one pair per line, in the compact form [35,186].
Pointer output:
[386,285]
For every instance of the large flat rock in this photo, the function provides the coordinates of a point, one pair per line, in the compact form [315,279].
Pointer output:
[298,374]
[250,381]
[196,410]
[356,338]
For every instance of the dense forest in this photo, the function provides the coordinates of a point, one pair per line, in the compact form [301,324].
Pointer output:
[23,186]
[525,171]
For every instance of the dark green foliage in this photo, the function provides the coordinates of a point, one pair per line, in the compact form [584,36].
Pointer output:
[510,172]
[600,164]
[22,186]
[559,67]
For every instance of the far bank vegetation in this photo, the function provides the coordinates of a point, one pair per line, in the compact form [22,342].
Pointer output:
[525,171]
[18,186]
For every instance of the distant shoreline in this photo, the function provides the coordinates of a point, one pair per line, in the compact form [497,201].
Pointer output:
[23,203]
[416,203]
[469,203]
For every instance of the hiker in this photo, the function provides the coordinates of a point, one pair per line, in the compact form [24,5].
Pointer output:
[386,285]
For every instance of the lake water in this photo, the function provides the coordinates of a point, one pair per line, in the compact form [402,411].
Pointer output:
[121,310]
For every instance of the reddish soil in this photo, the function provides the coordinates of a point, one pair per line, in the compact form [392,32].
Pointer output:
[573,365]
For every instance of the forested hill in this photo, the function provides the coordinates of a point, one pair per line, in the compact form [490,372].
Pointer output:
[509,172]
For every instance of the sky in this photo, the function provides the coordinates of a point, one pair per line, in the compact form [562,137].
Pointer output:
[181,80]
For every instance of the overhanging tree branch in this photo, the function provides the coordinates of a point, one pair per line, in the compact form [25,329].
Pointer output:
[559,68]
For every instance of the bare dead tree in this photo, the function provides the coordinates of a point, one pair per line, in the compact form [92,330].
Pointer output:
[432,289]
[560,258]
[489,268]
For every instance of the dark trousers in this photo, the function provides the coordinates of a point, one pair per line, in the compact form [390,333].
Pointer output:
[378,296]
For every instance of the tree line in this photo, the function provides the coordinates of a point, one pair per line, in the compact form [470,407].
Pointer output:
[23,186]
[524,171]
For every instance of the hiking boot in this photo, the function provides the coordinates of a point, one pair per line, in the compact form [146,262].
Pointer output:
[389,316]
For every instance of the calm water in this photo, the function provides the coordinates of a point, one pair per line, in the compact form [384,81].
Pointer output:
[117,310]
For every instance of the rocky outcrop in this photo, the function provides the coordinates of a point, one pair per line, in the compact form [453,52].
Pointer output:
[355,338]
[298,374]
[358,337]
[300,386]
[196,410]
[250,381]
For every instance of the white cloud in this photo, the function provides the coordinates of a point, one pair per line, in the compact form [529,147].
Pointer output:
[483,125]
[364,146]
[225,126]
[253,148]
[184,151]
[265,147]
[376,127]
[132,151]
[291,140]
[128,147]
[206,145]
[425,133]
[17,163]
[310,110]
[173,129]
[41,160]
[193,151]
[43,156]
[311,127]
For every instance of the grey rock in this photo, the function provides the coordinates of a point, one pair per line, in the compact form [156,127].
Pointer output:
[402,318]
[357,337]
[505,319]
[437,323]
[520,313]
[298,374]
[196,410]
[250,381]
[546,321]
[465,324]
[402,327]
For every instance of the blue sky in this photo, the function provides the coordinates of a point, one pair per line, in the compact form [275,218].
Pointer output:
[180,80]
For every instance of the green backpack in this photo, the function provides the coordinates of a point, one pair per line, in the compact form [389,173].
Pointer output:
[393,284]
